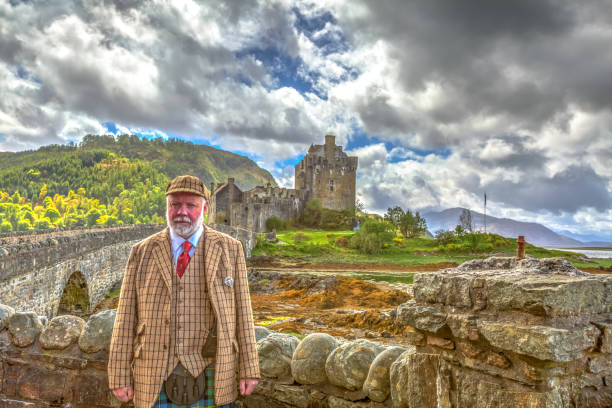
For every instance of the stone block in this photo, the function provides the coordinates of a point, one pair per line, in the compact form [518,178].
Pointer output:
[308,362]
[5,312]
[606,337]
[452,290]
[275,354]
[336,402]
[427,318]
[377,383]
[541,342]
[40,383]
[463,326]
[414,380]
[293,395]
[24,328]
[61,332]
[348,365]
[261,332]
[440,342]
[414,338]
[498,360]
[598,363]
[547,295]
[97,332]
[92,389]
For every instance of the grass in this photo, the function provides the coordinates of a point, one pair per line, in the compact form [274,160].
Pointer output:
[385,277]
[319,246]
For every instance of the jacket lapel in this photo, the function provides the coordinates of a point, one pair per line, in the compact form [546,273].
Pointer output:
[213,255]
[162,253]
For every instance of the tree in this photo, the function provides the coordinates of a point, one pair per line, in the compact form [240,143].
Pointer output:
[445,237]
[412,225]
[394,215]
[465,220]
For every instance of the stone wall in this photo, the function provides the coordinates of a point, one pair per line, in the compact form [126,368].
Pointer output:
[33,273]
[490,333]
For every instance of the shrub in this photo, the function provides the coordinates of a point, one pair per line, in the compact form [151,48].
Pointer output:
[274,223]
[6,226]
[342,242]
[43,223]
[299,237]
[24,224]
[373,236]
[445,237]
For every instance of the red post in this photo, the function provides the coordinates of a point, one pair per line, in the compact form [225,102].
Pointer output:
[520,247]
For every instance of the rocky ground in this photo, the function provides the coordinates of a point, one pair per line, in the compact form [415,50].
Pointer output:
[300,303]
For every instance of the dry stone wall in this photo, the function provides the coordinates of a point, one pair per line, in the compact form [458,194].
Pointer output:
[490,333]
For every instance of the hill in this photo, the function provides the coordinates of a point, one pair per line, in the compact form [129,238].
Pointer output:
[108,181]
[534,233]
[170,158]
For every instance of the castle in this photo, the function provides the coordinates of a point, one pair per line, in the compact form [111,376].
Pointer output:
[326,173]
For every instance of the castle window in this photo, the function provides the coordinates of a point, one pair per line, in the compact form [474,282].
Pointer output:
[331,185]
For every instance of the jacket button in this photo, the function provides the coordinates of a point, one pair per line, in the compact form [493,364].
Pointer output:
[167,321]
[165,347]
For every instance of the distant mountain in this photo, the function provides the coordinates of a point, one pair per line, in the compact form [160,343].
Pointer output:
[588,239]
[534,233]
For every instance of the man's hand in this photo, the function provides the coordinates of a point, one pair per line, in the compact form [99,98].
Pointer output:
[247,385]
[124,394]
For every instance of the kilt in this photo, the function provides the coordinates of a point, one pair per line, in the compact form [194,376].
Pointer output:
[208,401]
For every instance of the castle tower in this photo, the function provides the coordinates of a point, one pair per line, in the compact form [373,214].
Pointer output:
[328,174]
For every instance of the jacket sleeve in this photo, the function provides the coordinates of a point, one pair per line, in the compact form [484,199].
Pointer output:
[248,361]
[121,347]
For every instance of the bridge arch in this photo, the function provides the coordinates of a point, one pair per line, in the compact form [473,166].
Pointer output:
[74,298]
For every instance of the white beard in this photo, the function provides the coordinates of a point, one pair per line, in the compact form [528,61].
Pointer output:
[184,231]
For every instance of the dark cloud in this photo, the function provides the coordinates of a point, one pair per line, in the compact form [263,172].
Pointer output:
[568,191]
[523,60]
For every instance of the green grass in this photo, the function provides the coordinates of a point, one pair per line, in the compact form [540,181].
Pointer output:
[385,277]
[319,246]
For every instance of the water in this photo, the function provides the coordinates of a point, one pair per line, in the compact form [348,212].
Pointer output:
[590,253]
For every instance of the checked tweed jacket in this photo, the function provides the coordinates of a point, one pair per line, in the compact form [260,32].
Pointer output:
[140,346]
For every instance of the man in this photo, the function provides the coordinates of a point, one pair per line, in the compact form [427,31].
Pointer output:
[180,285]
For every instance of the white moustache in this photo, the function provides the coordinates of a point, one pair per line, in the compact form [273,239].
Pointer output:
[181,219]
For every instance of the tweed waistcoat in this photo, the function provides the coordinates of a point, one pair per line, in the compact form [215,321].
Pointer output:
[190,326]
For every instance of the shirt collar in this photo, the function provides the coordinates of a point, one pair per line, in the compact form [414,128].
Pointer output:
[177,240]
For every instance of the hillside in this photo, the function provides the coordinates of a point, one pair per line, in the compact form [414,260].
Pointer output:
[108,181]
[534,233]
[170,158]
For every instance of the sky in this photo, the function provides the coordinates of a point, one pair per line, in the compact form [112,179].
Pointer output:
[441,101]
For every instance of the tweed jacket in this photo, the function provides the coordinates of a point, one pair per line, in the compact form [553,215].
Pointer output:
[139,346]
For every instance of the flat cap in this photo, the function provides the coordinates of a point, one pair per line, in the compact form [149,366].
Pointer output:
[188,184]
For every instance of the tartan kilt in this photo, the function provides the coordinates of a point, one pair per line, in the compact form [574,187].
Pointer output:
[208,401]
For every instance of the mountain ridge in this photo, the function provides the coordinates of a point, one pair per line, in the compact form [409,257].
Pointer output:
[534,233]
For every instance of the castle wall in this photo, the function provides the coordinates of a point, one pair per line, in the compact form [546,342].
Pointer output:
[261,203]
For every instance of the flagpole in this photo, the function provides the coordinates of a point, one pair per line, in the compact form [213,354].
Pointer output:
[485,212]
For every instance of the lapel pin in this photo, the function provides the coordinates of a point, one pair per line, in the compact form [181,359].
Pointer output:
[229,281]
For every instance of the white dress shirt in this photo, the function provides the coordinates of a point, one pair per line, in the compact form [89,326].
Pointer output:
[177,243]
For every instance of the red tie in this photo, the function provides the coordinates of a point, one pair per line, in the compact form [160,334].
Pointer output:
[183,259]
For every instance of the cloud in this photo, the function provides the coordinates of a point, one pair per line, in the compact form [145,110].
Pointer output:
[454,98]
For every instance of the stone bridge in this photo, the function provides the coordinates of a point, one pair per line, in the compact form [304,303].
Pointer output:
[499,332]
[36,266]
